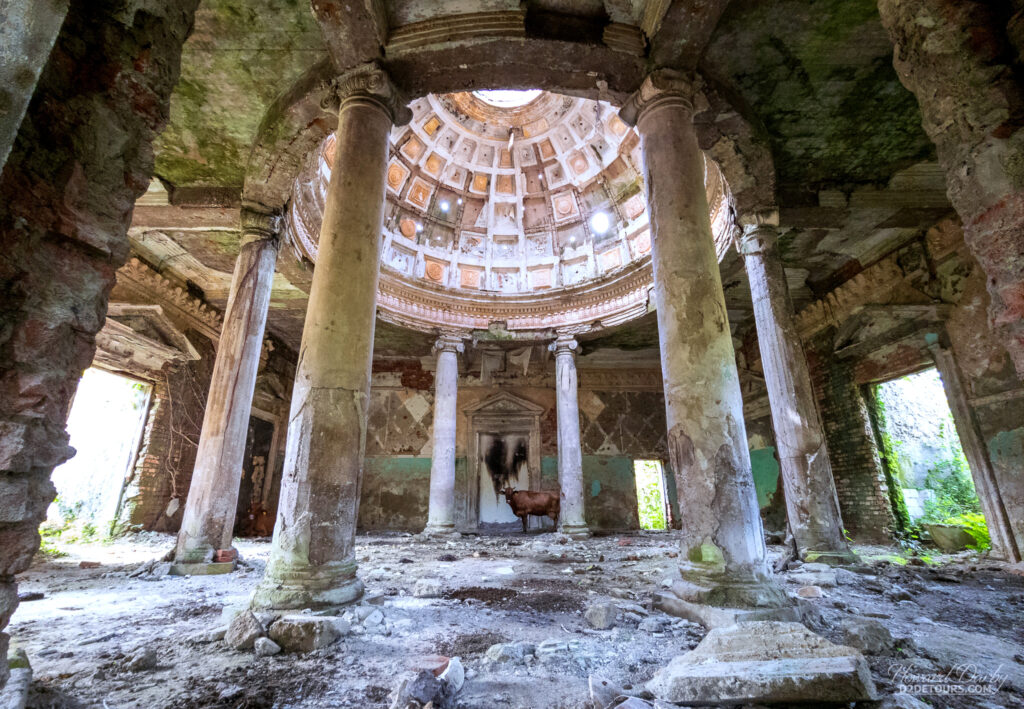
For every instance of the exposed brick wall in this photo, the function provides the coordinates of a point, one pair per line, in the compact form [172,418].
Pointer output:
[856,466]
[163,470]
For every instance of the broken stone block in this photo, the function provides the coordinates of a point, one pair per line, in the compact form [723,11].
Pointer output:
[265,647]
[14,694]
[605,693]
[602,615]
[902,701]
[867,635]
[427,588]
[243,631]
[813,578]
[141,660]
[510,652]
[810,592]
[301,633]
[764,661]
[422,688]
[953,648]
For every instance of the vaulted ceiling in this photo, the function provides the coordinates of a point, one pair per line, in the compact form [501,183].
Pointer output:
[813,79]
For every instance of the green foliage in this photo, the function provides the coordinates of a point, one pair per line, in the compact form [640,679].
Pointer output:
[651,504]
[891,466]
[951,482]
[974,523]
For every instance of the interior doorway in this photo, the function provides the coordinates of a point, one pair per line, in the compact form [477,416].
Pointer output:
[505,464]
[105,426]
[924,457]
[651,497]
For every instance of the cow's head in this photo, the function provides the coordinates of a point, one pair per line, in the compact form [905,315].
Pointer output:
[508,494]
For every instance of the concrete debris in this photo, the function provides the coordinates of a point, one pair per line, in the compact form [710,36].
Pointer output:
[511,652]
[423,689]
[868,636]
[14,694]
[141,660]
[813,578]
[976,653]
[602,615]
[265,647]
[210,636]
[454,674]
[810,592]
[764,661]
[427,588]
[303,633]
[902,701]
[243,631]
[604,693]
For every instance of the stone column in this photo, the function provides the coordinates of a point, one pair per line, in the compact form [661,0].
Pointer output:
[571,519]
[722,538]
[812,505]
[312,561]
[204,540]
[441,513]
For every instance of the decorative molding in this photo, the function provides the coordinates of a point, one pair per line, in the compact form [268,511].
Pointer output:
[756,238]
[662,87]
[370,82]
[143,280]
[862,289]
[258,224]
[456,28]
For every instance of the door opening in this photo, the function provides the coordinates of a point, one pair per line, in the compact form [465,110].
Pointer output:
[650,494]
[924,457]
[105,426]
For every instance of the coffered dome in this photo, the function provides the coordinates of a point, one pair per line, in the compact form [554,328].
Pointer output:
[524,208]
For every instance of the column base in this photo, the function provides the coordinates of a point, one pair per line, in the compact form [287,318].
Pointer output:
[720,600]
[438,530]
[290,586]
[832,558]
[203,568]
[575,531]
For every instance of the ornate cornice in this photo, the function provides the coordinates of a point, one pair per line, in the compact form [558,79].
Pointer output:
[369,82]
[661,88]
[146,282]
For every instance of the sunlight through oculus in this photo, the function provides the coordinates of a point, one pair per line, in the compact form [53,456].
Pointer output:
[507,99]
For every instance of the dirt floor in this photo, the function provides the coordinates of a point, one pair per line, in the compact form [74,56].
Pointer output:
[90,623]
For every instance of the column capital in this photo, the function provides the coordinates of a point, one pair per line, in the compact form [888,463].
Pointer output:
[662,87]
[564,344]
[450,342]
[757,238]
[369,82]
[260,224]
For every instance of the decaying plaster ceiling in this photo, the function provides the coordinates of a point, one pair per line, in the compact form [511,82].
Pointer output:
[855,176]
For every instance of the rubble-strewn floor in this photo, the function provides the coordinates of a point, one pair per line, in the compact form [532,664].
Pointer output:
[494,589]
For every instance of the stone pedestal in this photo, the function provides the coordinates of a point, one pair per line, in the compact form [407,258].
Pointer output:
[571,519]
[312,563]
[812,505]
[722,538]
[209,515]
[441,512]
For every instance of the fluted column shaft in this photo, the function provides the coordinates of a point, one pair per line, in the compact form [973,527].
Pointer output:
[209,516]
[811,501]
[441,512]
[707,442]
[571,517]
[312,562]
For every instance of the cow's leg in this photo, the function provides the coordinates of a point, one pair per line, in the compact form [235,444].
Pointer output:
[523,518]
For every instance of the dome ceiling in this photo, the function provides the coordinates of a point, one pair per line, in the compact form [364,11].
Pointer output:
[524,208]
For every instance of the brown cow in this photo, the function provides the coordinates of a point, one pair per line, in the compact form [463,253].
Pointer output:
[528,502]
